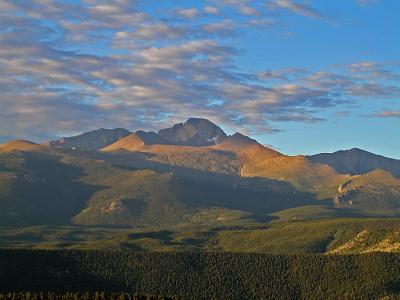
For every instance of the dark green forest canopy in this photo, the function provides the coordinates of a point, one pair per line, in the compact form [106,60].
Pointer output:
[83,296]
[202,275]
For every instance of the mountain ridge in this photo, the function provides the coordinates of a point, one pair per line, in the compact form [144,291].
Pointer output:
[92,140]
[198,166]
[20,145]
[357,161]
[136,141]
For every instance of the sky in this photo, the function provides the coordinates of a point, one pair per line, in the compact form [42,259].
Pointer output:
[301,76]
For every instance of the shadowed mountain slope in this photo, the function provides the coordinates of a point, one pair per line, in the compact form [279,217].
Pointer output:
[36,188]
[93,140]
[60,187]
[240,155]
[357,161]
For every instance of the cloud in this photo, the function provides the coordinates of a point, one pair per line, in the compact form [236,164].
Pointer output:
[225,28]
[153,31]
[388,114]
[189,13]
[66,68]
[373,71]
[296,117]
[374,90]
[285,74]
[249,10]
[211,10]
[359,80]
[302,9]
[244,7]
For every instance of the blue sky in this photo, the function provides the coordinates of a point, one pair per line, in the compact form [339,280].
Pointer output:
[301,76]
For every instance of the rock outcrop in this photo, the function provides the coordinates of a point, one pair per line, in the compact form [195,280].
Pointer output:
[194,132]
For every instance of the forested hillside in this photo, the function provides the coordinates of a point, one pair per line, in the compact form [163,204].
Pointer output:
[203,275]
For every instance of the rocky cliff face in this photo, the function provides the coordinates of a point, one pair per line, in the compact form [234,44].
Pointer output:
[194,132]
[151,138]
[93,140]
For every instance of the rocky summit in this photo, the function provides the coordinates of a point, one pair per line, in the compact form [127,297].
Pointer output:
[93,140]
[194,132]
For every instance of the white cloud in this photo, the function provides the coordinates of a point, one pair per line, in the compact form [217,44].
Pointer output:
[211,10]
[154,31]
[108,64]
[189,13]
[301,8]
[388,114]
[223,28]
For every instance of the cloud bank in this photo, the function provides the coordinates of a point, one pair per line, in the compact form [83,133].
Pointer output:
[68,67]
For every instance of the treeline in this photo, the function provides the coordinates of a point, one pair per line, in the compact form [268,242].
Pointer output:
[195,275]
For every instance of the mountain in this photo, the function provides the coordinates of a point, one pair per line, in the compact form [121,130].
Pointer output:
[246,148]
[136,141]
[239,143]
[40,188]
[376,190]
[194,132]
[93,140]
[226,157]
[62,187]
[263,162]
[179,175]
[200,145]
[20,145]
[318,179]
[356,161]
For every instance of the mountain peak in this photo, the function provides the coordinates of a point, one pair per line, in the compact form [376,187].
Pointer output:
[238,135]
[238,141]
[199,121]
[241,143]
[356,149]
[136,141]
[92,140]
[357,161]
[194,132]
